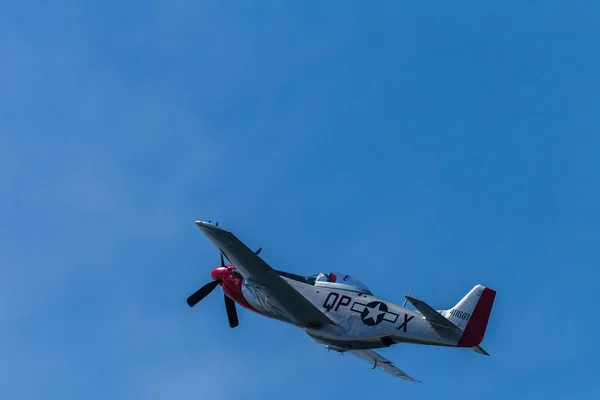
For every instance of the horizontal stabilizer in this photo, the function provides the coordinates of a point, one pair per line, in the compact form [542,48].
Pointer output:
[480,350]
[466,322]
[438,322]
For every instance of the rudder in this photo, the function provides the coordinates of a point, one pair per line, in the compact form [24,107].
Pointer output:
[471,315]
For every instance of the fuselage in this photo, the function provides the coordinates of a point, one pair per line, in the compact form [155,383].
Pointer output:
[362,320]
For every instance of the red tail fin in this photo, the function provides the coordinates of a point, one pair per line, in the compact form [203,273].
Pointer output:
[477,324]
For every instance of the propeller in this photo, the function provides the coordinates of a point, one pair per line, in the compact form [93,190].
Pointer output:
[205,290]
[202,293]
[231,311]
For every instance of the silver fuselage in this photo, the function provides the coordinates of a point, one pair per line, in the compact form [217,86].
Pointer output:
[363,321]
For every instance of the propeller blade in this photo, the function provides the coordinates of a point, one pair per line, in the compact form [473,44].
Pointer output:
[201,293]
[222,261]
[231,312]
[223,254]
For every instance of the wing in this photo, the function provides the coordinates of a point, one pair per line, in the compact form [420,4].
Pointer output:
[380,362]
[251,266]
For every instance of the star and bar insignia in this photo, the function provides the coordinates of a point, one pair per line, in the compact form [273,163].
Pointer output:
[374,312]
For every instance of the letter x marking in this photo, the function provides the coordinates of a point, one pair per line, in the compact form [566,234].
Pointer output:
[405,323]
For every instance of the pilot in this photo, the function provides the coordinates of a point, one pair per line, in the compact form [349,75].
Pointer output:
[331,277]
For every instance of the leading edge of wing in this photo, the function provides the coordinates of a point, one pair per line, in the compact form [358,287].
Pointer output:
[253,267]
[378,361]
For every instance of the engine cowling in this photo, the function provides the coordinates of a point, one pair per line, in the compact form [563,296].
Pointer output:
[232,283]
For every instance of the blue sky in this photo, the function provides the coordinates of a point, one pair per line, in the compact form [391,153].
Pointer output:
[416,146]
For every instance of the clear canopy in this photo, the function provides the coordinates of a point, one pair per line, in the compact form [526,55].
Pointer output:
[339,278]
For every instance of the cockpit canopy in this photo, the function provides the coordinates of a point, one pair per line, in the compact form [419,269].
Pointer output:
[330,279]
[341,280]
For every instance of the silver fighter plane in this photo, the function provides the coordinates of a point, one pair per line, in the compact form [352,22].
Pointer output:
[338,310]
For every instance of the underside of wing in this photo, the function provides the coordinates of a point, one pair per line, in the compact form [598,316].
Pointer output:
[251,266]
[378,361]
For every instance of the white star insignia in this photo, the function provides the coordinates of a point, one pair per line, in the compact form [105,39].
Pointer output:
[374,312]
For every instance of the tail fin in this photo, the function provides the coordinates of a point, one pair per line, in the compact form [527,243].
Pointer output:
[471,315]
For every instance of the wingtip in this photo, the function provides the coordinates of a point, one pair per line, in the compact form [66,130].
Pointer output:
[410,378]
[207,224]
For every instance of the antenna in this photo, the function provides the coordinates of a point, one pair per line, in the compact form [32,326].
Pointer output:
[405,299]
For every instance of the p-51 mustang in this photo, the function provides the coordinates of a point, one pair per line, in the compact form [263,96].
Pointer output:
[338,310]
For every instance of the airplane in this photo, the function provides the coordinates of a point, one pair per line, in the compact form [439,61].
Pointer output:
[336,309]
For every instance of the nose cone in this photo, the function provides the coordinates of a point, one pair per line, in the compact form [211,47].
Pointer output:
[217,273]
